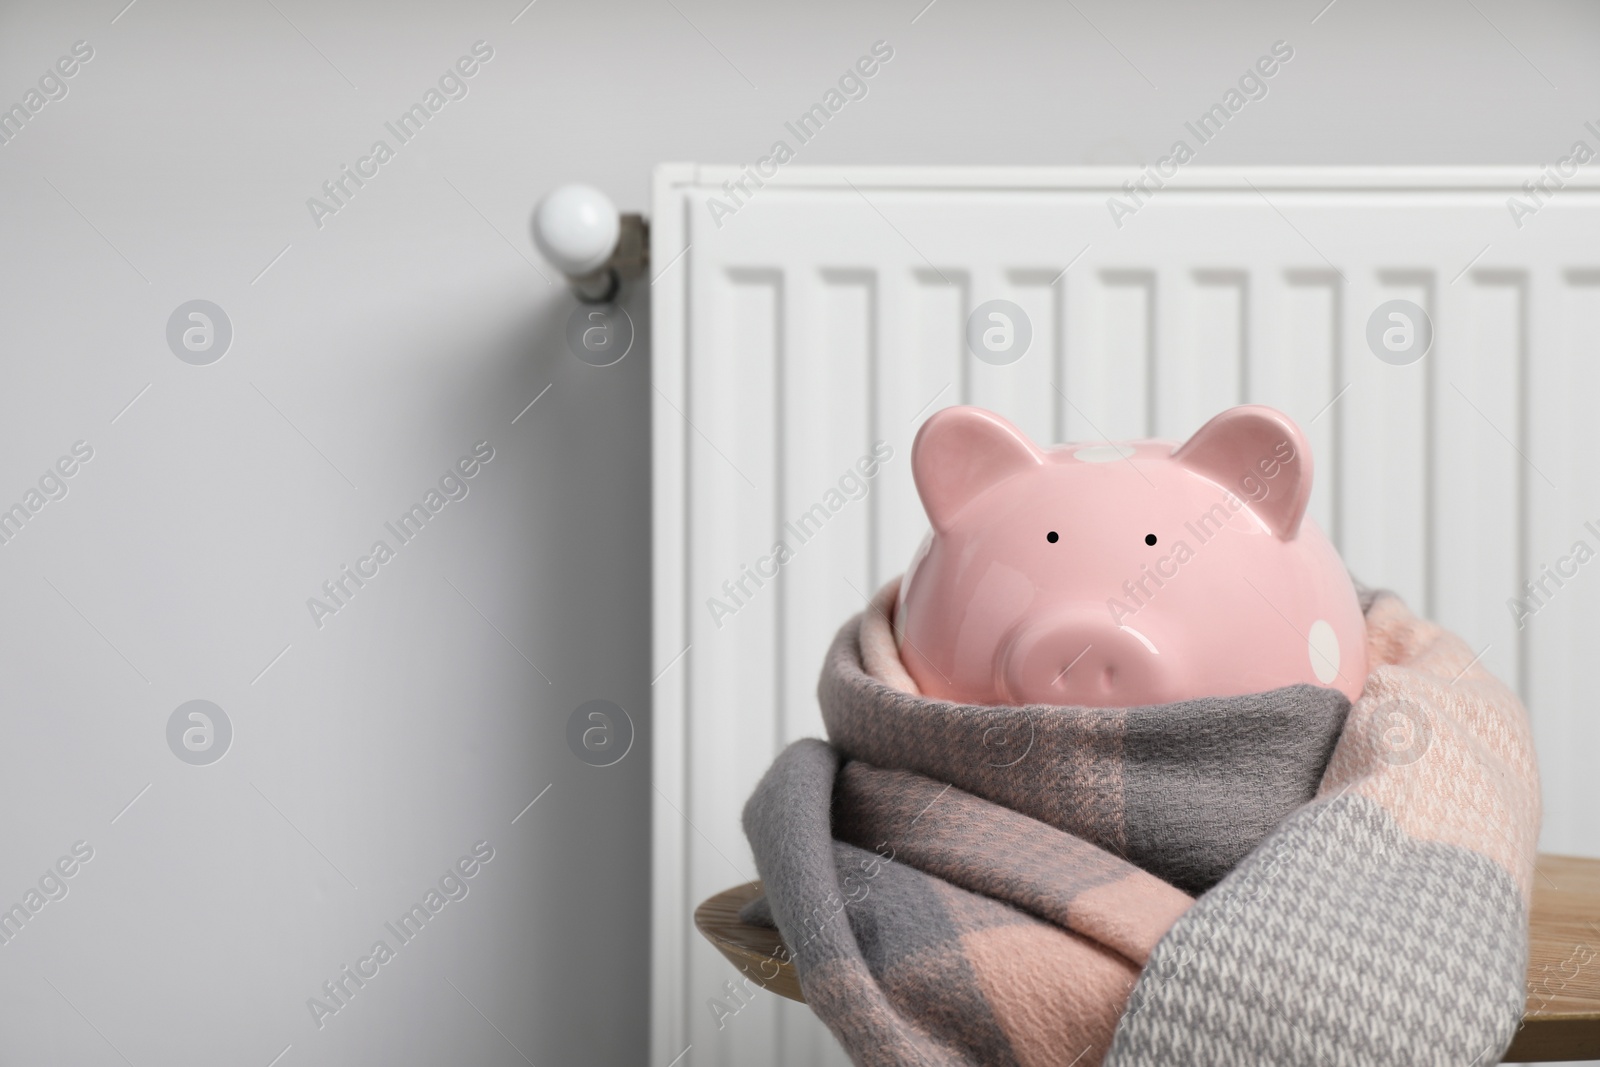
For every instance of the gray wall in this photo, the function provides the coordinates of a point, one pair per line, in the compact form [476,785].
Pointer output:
[424,715]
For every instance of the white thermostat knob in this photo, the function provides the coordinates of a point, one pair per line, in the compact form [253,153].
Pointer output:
[576,228]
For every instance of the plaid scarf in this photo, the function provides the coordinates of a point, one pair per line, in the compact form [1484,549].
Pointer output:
[1276,878]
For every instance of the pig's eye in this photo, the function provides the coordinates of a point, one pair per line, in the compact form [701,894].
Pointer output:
[1052,537]
[1149,539]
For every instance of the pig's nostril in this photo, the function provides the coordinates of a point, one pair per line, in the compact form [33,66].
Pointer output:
[1057,679]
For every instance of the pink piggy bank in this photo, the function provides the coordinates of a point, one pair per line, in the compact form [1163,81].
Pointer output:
[1115,575]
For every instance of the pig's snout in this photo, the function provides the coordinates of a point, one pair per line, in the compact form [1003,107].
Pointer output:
[1084,658]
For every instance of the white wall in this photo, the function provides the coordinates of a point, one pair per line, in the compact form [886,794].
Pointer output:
[379,348]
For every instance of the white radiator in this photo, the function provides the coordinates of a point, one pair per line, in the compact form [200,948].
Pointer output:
[828,311]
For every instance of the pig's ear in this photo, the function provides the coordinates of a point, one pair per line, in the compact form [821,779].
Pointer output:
[1260,456]
[960,452]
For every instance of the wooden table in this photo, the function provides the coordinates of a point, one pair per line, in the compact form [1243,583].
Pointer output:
[1561,1021]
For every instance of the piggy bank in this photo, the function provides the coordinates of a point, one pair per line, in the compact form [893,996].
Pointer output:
[1116,575]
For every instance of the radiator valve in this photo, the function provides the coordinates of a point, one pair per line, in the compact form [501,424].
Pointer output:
[580,231]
